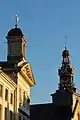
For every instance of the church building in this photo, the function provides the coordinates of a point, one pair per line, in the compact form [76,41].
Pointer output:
[16,78]
[65,101]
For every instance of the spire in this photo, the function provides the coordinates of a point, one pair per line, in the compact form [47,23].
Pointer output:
[66,72]
[65,42]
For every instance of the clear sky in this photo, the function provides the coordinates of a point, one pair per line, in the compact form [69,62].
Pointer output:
[45,23]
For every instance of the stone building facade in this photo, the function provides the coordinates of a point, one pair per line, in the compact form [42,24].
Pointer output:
[16,78]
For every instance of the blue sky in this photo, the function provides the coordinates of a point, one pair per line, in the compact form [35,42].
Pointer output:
[45,23]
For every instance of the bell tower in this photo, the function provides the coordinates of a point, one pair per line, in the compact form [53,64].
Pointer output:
[66,72]
[66,99]
[16,44]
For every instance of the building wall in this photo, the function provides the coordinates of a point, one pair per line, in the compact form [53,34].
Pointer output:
[76,107]
[23,89]
[16,108]
[5,99]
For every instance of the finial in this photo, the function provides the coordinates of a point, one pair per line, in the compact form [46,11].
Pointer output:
[65,42]
[17,19]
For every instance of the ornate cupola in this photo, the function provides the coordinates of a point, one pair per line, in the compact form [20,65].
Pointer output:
[16,44]
[66,72]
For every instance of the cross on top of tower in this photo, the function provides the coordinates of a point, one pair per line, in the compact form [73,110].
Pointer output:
[65,42]
[16,19]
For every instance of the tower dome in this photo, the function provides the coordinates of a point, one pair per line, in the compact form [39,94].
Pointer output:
[65,53]
[15,32]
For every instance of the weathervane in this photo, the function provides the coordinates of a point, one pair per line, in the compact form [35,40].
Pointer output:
[17,19]
[65,42]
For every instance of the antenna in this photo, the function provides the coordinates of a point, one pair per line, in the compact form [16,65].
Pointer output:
[65,42]
[16,19]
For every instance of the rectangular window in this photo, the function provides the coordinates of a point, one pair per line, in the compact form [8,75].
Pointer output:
[23,50]
[19,117]
[6,114]
[23,97]
[20,94]
[6,94]
[11,99]
[11,115]
[1,90]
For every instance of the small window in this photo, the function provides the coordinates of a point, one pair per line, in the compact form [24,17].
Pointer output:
[11,99]
[23,97]
[19,117]
[20,94]
[23,49]
[1,90]
[0,112]
[6,94]
[11,115]
[6,114]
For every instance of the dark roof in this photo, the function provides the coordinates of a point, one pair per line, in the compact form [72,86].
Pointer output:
[42,112]
[50,112]
[9,66]
[15,32]
[6,65]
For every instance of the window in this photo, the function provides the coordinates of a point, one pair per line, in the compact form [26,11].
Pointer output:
[19,105]
[12,48]
[0,112]
[10,115]
[78,116]
[20,94]
[6,114]
[1,90]
[19,117]
[11,99]
[6,94]
[23,49]
[23,97]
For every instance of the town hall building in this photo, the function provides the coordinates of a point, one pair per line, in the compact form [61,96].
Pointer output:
[16,78]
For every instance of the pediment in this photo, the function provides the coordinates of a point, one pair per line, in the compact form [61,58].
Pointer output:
[27,73]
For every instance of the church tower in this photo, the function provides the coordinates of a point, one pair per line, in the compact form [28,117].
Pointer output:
[66,99]
[66,72]
[16,78]
[16,45]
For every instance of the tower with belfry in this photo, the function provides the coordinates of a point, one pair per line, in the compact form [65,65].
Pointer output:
[66,72]
[65,101]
